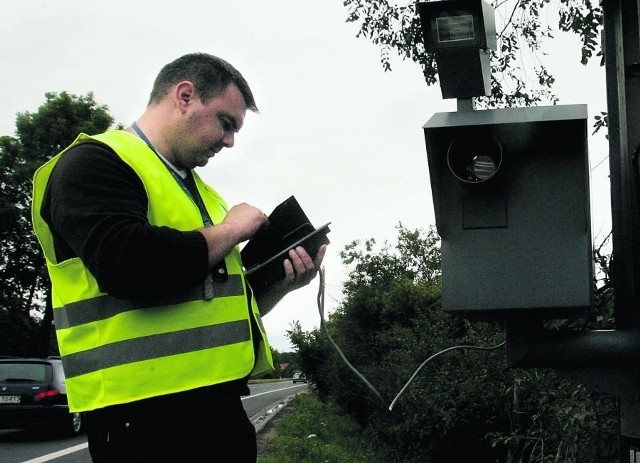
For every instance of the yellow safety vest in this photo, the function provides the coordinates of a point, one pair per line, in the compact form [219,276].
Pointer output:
[116,351]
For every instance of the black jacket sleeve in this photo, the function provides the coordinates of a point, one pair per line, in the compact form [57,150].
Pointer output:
[96,207]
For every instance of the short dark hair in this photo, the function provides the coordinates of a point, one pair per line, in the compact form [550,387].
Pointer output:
[210,75]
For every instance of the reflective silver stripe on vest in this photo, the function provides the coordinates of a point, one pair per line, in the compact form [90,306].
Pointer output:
[103,307]
[155,346]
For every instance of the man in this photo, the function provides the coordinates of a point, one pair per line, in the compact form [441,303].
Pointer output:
[157,327]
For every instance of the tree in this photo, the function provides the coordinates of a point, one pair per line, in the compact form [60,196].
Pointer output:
[25,308]
[522,33]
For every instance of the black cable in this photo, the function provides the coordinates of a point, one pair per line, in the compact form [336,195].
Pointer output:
[636,172]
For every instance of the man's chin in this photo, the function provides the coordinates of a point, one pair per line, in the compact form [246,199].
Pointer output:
[203,161]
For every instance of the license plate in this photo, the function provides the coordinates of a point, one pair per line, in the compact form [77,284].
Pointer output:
[9,399]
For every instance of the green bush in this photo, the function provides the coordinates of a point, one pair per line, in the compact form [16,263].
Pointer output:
[463,405]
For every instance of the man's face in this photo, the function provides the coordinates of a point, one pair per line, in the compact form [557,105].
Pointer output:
[210,127]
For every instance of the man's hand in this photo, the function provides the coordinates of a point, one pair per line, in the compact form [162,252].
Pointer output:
[299,270]
[241,223]
[244,221]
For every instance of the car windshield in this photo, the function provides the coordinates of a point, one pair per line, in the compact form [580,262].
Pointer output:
[16,372]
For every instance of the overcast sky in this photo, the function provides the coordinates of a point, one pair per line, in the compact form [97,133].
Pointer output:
[334,129]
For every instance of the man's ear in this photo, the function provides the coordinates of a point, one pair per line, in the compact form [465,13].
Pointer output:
[184,94]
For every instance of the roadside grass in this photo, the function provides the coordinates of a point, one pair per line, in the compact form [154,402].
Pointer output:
[313,432]
[270,380]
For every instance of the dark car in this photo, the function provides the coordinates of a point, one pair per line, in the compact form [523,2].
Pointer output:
[299,377]
[33,394]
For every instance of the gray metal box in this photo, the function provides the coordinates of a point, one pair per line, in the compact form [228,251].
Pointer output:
[521,240]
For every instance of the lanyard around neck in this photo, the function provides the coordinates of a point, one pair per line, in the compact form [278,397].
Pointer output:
[219,271]
[188,186]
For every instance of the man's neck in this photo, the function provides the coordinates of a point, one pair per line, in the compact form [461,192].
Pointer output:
[138,131]
[153,123]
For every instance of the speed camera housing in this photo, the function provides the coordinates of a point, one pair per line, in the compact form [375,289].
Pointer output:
[511,198]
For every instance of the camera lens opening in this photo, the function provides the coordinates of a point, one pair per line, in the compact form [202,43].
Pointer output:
[474,159]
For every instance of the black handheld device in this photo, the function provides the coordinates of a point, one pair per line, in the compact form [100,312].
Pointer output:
[288,228]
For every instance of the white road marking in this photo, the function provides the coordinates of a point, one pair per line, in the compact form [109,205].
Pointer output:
[58,454]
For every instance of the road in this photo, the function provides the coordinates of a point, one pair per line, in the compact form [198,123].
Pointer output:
[17,446]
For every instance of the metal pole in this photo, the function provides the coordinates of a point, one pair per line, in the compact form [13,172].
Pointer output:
[622,62]
[529,347]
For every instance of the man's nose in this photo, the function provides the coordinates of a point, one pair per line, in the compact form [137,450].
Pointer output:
[229,139]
